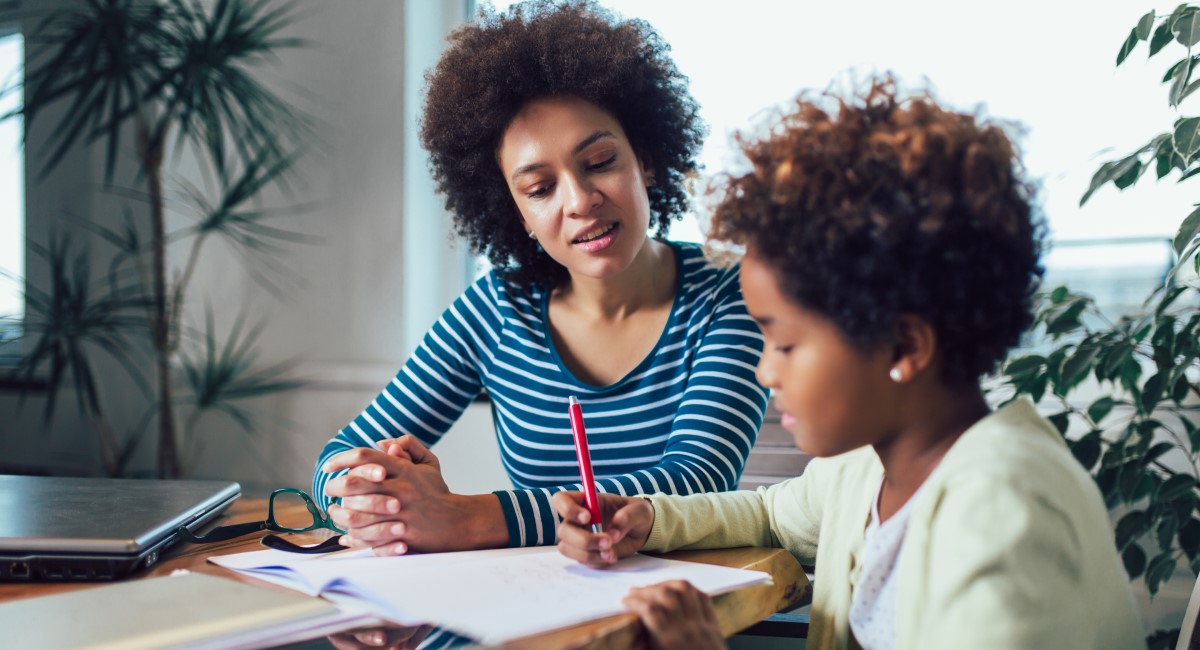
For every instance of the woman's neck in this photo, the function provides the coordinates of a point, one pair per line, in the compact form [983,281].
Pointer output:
[935,422]
[648,282]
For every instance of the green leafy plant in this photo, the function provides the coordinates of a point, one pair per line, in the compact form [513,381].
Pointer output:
[1128,386]
[171,78]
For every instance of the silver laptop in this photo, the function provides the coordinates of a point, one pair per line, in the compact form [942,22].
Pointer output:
[94,529]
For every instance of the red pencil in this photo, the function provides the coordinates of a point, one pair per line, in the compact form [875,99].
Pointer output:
[585,463]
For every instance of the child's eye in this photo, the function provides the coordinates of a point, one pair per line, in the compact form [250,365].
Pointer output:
[783,349]
[603,164]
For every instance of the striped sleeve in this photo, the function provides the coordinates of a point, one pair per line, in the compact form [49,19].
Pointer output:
[434,386]
[711,434]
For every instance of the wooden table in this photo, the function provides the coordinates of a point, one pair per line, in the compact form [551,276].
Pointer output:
[735,611]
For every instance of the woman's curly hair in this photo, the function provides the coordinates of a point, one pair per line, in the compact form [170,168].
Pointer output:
[891,207]
[545,48]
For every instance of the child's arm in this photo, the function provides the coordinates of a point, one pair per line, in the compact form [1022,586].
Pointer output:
[785,515]
[660,523]
[711,521]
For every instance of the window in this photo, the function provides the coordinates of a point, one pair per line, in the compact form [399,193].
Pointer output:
[1026,60]
[12,189]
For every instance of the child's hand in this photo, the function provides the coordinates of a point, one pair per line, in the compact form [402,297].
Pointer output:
[677,615]
[627,523]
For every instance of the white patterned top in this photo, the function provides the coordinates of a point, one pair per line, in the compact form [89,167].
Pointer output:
[873,605]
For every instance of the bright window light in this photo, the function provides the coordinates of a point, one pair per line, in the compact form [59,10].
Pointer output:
[12,186]
[1047,65]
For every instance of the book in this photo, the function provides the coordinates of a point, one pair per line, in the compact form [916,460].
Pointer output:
[191,611]
[491,596]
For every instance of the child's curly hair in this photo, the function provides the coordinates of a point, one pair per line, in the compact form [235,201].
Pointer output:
[538,49]
[893,207]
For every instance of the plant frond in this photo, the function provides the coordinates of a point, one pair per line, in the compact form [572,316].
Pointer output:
[97,58]
[225,373]
[214,99]
[72,319]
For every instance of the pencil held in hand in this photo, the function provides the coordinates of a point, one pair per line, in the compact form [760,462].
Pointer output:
[585,463]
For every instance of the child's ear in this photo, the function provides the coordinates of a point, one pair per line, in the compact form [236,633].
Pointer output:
[913,345]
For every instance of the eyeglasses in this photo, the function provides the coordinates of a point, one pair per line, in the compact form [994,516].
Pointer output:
[283,516]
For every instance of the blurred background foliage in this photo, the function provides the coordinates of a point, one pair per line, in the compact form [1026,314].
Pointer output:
[1127,388]
[179,83]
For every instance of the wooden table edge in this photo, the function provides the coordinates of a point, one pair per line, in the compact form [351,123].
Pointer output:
[736,610]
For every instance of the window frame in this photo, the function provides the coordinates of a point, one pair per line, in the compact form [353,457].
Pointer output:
[11,336]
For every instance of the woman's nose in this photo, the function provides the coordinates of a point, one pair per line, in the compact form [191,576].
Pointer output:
[581,196]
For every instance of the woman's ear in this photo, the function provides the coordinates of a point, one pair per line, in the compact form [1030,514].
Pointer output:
[913,346]
[525,224]
[647,166]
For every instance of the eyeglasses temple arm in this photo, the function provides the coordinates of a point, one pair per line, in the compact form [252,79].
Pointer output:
[222,533]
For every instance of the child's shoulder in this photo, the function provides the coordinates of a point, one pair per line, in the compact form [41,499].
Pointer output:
[1013,439]
[1015,450]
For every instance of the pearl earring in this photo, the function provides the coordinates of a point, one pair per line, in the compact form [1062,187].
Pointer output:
[896,374]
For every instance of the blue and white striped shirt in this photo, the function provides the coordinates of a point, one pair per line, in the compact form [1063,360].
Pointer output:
[682,421]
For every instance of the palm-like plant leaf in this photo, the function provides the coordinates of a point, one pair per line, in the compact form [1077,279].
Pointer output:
[177,70]
[211,96]
[224,375]
[126,267]
[174,64]
[71,319]
[101,58]
[236,220]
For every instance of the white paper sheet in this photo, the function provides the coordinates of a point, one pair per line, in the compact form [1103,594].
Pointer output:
[492,596]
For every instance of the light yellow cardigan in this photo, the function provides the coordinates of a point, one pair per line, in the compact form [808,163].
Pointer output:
[1008,546]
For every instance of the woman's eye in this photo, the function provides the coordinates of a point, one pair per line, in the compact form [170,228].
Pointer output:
[538,192]
[607,162]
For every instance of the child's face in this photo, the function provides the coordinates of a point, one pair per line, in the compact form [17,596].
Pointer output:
[833,397]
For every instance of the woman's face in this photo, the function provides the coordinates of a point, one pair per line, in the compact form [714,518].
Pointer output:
[579,186]
[833,397]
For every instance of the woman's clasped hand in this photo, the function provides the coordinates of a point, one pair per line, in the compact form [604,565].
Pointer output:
[394,500]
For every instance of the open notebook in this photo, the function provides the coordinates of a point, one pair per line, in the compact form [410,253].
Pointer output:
[492,596]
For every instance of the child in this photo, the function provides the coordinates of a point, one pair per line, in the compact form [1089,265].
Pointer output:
[891,257]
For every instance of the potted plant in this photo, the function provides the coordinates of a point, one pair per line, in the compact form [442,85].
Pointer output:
[1136,430]
[175,80]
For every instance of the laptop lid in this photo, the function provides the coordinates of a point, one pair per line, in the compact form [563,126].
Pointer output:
[60,528]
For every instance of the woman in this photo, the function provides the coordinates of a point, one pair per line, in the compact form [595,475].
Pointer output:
[891,257]
[559,135]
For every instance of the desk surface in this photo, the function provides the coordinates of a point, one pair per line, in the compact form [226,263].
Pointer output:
[735,611]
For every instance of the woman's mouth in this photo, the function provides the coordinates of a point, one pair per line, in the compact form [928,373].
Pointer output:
[597,239]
